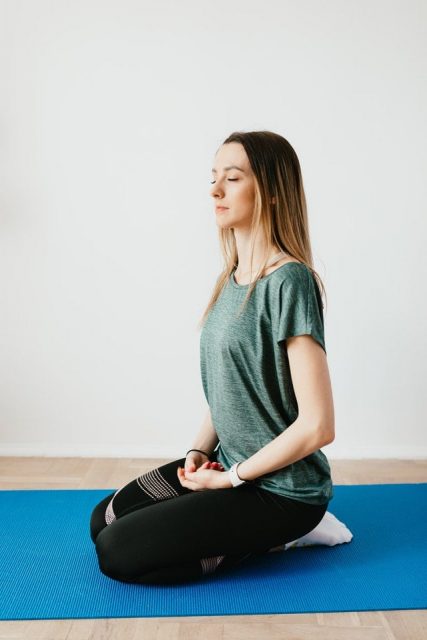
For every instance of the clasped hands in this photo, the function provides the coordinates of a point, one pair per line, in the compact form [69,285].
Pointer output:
[207,476]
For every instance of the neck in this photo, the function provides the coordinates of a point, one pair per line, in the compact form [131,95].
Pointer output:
[261,253]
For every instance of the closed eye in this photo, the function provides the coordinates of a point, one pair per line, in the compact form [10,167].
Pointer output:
[230,179]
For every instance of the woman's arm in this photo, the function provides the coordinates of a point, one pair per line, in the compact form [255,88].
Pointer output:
[313,428]
[207,438]
[315,425]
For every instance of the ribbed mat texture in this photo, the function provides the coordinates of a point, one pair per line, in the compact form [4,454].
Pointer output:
[49,568]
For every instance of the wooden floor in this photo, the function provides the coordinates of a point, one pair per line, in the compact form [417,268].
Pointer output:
[91,473]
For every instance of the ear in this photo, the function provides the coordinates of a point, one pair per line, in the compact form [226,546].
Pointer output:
[273,200]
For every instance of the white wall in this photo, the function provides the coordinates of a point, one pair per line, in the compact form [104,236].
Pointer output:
[110,115]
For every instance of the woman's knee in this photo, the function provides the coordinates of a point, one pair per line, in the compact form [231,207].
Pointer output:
[115,558]
[115,563]
[97,519]
[107,554]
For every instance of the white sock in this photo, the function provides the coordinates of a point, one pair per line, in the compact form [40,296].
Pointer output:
[330,531]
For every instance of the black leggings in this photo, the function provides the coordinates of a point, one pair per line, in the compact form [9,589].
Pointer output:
[155,531]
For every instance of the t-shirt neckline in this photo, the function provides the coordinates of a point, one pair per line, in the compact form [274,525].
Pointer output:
[245,286]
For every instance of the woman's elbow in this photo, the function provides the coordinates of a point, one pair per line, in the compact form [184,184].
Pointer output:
[327,434]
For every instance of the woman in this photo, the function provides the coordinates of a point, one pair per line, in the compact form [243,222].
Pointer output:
[256,477]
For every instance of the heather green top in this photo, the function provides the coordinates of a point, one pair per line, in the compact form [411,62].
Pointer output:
[246,376]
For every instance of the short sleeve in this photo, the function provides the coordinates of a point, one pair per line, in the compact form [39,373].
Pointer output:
[300,308]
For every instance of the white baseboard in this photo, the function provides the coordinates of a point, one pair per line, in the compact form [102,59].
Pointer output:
[332,451]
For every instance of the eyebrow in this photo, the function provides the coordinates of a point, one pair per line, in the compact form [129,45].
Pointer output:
[232,166]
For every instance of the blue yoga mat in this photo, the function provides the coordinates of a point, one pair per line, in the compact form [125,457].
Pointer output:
[49,568]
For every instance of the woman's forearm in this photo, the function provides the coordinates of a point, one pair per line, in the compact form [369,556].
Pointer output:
[296,442]
[206,439]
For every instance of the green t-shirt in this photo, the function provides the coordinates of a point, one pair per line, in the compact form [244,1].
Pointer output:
[246,376]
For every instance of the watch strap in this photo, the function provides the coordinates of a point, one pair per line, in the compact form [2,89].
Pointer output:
[234,478]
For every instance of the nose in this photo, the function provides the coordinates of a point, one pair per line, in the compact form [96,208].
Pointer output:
[216,191]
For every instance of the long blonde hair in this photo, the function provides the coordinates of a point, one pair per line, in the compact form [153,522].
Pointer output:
[284,224]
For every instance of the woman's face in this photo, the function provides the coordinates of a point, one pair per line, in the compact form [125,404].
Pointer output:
[233,187]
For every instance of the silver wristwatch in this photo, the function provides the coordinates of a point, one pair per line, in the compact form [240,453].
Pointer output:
[234,478]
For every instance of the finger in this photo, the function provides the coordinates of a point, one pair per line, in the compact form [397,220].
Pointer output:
[185,481]
[188,477]
[181,475]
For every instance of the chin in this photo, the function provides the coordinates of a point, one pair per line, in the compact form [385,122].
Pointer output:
[225,224]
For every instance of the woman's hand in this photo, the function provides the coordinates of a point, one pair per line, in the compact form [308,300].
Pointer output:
[205,477]
[195,459]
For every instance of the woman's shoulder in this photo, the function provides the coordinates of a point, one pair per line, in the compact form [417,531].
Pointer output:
[290,270]
[281,263]
[293,278]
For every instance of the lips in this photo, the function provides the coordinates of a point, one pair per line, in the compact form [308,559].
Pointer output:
[221,208]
